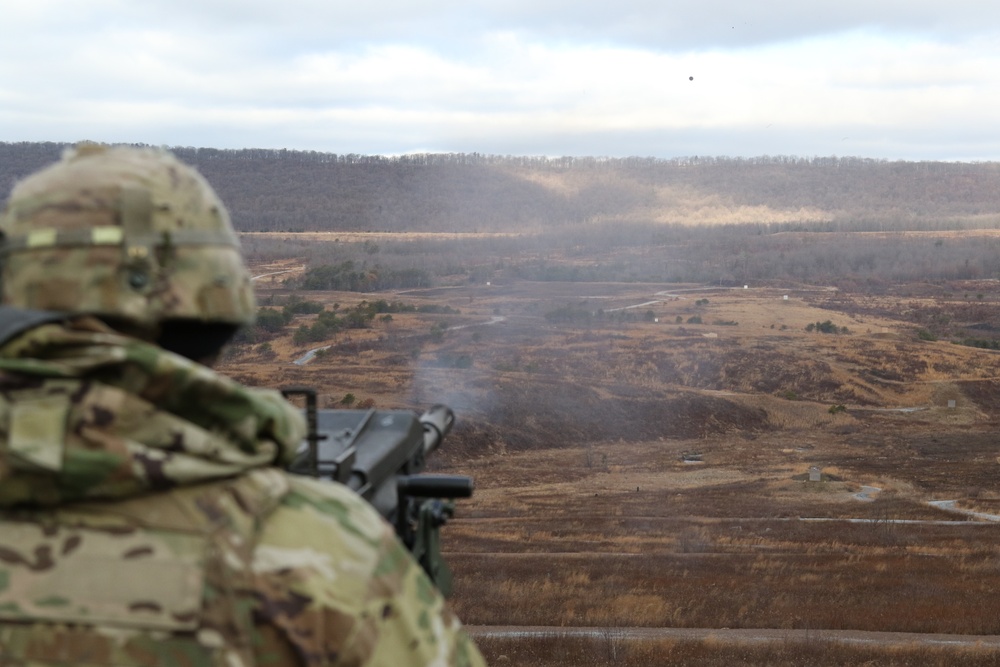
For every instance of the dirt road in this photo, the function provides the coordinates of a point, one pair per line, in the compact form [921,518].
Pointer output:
[742,635]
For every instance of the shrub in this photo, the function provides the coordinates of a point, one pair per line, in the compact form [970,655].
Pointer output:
[296,305]
[270,320]
[982,343]
[826,327]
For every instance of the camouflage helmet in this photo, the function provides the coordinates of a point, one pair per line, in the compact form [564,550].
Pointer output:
[129,234]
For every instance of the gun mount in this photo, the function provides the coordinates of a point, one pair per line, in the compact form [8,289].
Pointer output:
[381,454]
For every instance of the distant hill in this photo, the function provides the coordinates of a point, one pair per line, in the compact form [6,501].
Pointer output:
[280,190]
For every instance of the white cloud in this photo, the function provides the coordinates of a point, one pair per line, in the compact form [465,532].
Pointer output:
[914,78]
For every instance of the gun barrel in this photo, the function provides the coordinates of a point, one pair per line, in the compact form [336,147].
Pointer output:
[437,422]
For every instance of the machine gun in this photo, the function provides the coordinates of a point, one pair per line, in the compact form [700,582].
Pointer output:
[380,455]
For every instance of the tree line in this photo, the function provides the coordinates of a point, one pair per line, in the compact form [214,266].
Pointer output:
[283,190]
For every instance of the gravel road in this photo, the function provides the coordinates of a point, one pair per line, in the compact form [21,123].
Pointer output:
[742,635]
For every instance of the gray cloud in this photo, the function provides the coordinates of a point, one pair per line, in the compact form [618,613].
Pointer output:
[308,25]
[881,78]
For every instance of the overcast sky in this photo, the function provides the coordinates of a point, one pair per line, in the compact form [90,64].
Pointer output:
[895,79]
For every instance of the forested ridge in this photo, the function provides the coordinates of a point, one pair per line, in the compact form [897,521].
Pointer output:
[281,190]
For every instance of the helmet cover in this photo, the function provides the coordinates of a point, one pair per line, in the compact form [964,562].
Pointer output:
[126,233]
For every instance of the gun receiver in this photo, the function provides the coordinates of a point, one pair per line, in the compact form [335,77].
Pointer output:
[381,455]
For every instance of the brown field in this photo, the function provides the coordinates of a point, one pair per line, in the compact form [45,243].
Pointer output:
[640,470]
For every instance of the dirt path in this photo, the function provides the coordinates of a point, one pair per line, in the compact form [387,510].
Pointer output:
[272,273]
[311,354]
[951,506]
[740,636]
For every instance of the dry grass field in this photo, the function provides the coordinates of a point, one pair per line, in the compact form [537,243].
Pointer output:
[688,456]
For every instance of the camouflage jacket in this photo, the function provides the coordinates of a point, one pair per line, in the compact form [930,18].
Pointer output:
[142,522]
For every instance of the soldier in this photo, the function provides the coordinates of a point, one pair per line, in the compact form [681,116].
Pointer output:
[143,518]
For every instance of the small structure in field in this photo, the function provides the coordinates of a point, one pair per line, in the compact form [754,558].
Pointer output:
[815,474]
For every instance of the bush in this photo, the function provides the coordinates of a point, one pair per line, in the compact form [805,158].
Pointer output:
[270,320]
[296,305]
[321,329]
[437,331]
[982,343]
[346,277]
[826,327]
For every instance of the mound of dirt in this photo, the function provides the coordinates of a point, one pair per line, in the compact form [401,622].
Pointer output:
[541,415]
[985,394]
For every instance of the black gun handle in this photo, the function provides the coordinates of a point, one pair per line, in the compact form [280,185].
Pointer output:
[435,486]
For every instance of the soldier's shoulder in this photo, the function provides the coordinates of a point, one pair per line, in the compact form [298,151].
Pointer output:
[326,531]
[332,573]
[318,564]
[331,504]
